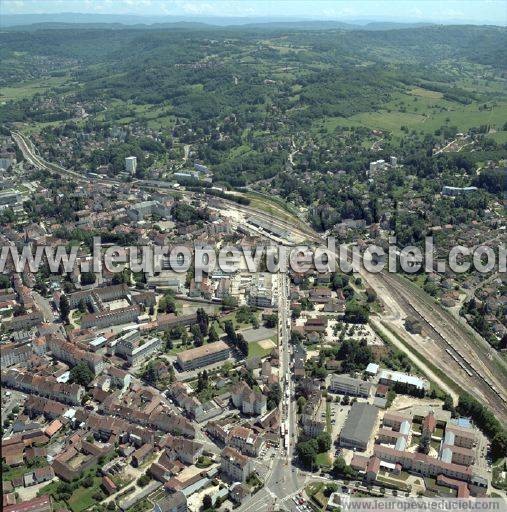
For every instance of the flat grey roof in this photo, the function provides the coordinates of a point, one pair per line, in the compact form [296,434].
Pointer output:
[360,423]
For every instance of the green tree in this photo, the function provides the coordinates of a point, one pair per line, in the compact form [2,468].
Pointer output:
[307,452]
[207,502]
[203,321]
[271,320]
[143,480]
[499,445]
[87,278]
[81,374]
[212,334]
[149,374]
[274,395]
[341,469]
[356,313]
[424,445]
[64,308]
[324,442]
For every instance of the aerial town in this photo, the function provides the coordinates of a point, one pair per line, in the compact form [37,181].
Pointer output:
[218,389]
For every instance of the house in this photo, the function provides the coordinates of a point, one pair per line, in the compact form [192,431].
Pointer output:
[39,476]
[108,485]
[176,502]
[245,440]
[318,325]
[40,504]
[141,454]
[43,386]
[185,450]
[320,295]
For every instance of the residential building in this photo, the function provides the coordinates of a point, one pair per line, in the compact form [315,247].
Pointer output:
[141,454]
[186,450]
[43,386]
[21,322]
[135,350]
[390,378]
[141,211]
[234,465]
[245,440]
[40,504]
[248,401]
[71,354]
[9,197]
[457,191]
[14,354]
[261,291]
[131,164]
[422,464]
[459,436]
[108,318]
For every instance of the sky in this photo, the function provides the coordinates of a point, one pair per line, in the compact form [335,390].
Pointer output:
[444,11]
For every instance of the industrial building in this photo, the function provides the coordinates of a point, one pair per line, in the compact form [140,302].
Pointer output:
[359,426]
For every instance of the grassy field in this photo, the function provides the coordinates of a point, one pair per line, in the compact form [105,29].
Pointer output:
[255,350]
[498,137]
[82,498]
[31,88]
[425,93]
[425,110]
[323,459]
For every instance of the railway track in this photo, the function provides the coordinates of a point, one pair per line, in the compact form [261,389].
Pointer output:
[465,357]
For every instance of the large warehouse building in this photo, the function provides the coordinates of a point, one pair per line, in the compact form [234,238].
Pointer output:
[359,426]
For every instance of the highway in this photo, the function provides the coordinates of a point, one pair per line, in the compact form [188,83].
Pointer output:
[30,153]
[487,381]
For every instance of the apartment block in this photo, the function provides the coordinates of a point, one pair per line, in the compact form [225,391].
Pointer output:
[203,356]
[137,351]
[248,401]
[349,386]
[109,318]
[234,465]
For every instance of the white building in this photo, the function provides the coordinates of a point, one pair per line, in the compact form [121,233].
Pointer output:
[457,191]
[261,291]
[131,164]
[349,386]
[377,166]
[389,377]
